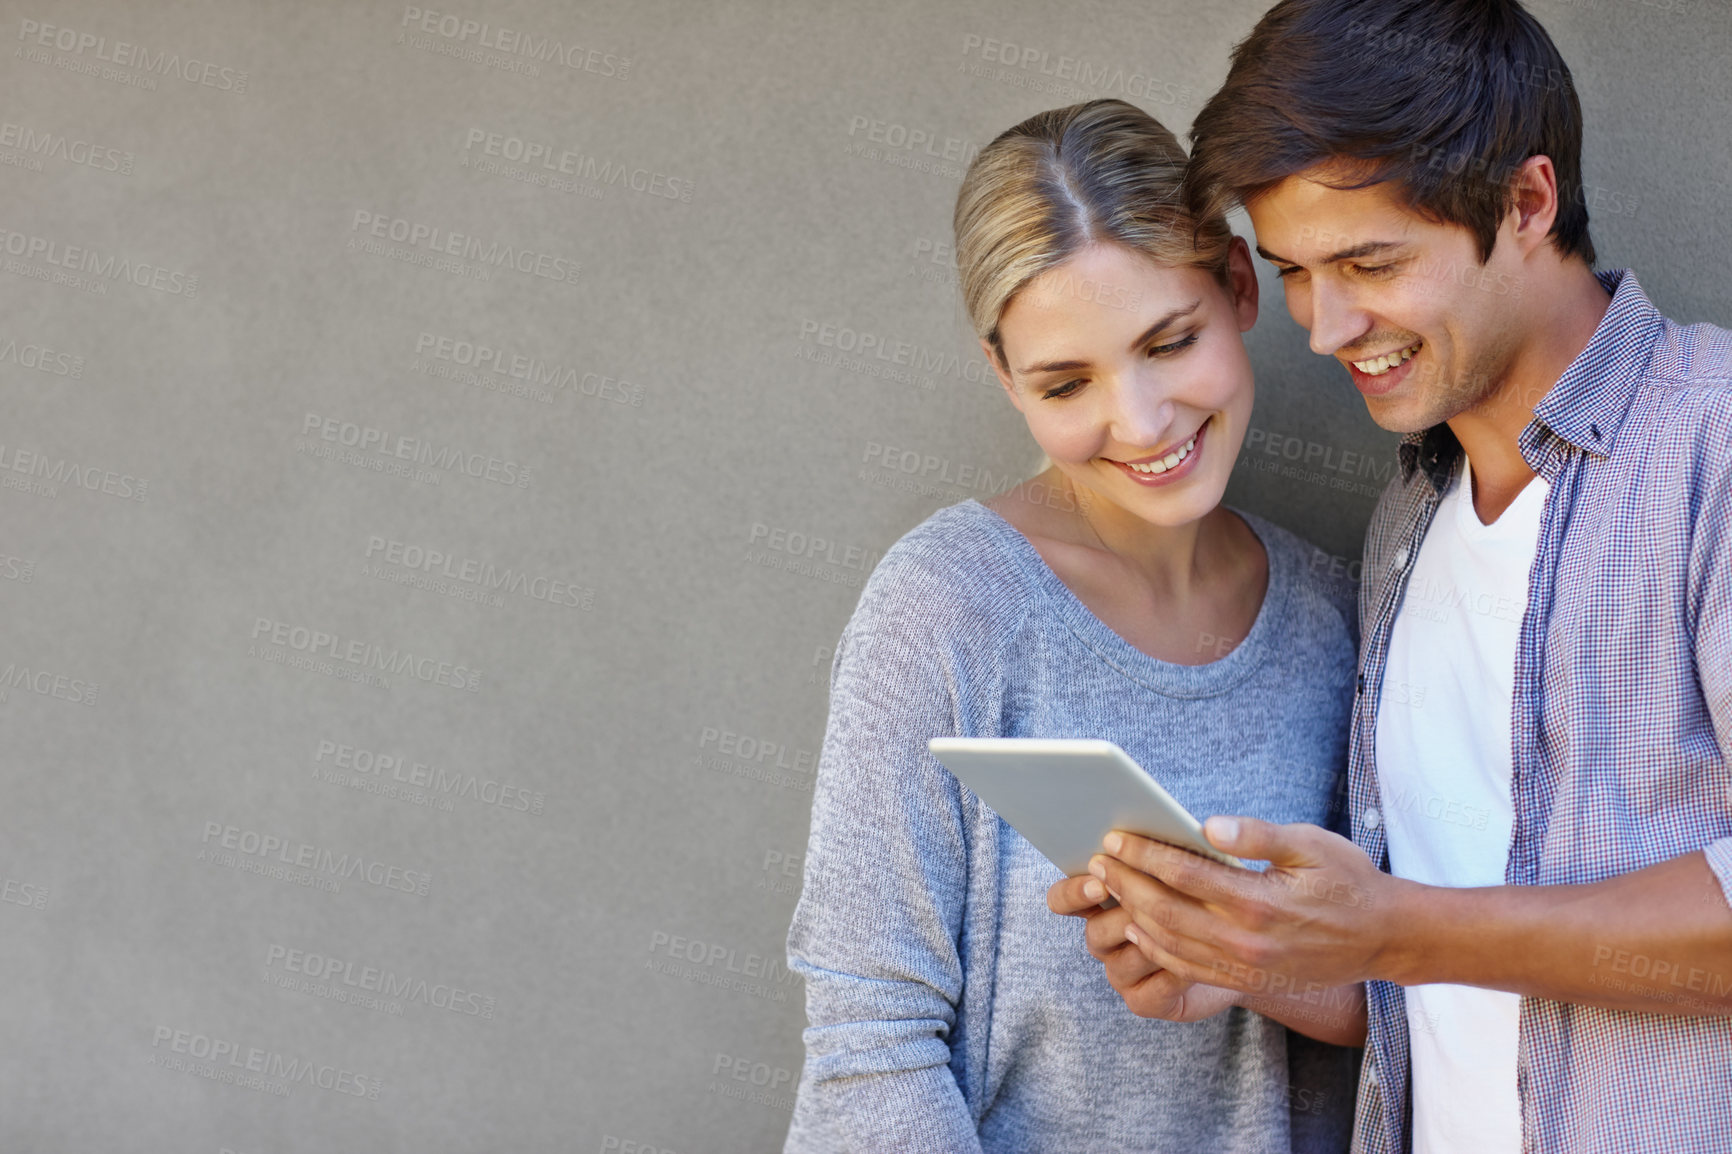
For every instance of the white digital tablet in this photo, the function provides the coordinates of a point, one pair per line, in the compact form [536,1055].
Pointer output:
[1065,794]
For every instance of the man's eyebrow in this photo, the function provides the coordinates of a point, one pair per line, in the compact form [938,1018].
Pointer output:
[1368,248]
[1146,335]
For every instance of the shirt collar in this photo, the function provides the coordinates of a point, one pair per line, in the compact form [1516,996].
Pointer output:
[1586,406]
[1435,449]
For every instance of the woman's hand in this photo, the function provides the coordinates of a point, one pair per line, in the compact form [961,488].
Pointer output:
[1148,990]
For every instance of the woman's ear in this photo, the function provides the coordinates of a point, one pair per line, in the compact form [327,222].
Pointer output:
[998,368]
[1242,280]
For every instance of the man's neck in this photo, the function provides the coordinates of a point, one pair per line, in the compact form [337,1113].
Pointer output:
[1574,303]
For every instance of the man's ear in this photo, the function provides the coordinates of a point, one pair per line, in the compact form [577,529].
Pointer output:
[999,369]
[1533,203]
[1242,278]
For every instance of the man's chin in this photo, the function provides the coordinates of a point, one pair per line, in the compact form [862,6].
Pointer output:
[1397,415]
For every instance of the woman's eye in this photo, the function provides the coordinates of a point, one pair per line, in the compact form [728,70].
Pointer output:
[1063,390]
[1166,350]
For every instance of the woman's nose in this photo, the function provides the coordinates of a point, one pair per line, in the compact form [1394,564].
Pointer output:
[1143,413]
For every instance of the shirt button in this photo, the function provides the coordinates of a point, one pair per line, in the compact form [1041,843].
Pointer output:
[1399,561]
[1371,819]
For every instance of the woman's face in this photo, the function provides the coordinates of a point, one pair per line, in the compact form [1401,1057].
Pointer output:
[1133,376]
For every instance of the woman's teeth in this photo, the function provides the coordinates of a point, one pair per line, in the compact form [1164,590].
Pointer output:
[1169,461]
[1377,366]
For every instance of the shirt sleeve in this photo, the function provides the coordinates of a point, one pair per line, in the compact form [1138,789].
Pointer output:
[877,929]
[1711,565]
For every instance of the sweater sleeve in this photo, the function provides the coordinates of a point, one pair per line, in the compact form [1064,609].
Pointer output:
[877,930]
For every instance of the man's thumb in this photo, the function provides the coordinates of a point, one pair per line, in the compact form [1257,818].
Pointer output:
[1247,837]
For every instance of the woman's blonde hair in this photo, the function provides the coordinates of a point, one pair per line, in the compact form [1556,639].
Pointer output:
[1065,179]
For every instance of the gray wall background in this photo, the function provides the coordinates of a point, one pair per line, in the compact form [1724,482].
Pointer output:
[360,804]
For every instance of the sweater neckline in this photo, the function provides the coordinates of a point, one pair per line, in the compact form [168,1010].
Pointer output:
[1165,677]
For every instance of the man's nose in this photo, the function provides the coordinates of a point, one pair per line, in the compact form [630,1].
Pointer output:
[1336,319]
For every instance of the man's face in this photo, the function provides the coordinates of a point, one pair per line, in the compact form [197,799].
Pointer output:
[1423,328]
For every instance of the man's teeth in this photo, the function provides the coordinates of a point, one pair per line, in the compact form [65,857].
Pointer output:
[1377,366]
[1170,460]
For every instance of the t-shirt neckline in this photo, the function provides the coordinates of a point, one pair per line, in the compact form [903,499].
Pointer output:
[1518,518]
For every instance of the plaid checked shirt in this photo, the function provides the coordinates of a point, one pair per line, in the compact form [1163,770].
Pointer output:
[1621,720]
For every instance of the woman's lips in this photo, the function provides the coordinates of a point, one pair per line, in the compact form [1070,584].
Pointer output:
[1173,475]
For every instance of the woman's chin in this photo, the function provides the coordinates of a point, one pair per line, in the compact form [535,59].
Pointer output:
[1171,510]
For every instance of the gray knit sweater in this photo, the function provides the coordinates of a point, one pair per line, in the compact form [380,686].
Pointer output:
[949,1009]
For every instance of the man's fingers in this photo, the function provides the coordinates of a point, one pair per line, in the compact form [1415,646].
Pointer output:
[1172,930]
[1191,963]
[1186,872]
[1109,941]
[1153,902]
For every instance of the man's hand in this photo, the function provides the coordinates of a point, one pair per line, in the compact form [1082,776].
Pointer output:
[1317,918]
[1322,919]
[1149,990]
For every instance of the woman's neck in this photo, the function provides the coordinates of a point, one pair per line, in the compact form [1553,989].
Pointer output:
[1186,594]
[1174,559]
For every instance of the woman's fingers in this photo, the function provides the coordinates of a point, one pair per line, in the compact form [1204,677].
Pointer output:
[1137,973]
[1105,933]
[1077,897]
[1127,968]
[1163,994]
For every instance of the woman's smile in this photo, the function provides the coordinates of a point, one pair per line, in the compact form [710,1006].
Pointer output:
[1168,467]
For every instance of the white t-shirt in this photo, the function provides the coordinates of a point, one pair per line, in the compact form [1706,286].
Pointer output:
[1443,770]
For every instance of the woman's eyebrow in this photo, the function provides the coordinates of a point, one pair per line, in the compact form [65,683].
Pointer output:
[1143,338]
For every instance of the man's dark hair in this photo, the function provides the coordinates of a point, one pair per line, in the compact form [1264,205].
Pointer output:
[1444,99]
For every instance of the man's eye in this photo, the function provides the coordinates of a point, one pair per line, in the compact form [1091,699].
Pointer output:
[1287,271]
[1376,270]
[1063,390]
